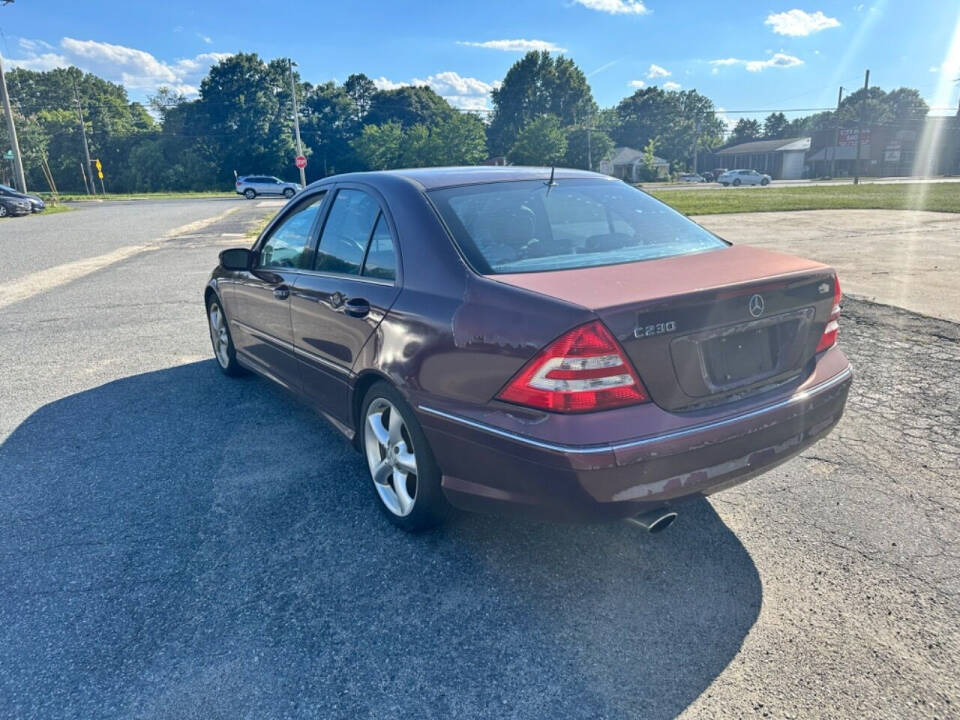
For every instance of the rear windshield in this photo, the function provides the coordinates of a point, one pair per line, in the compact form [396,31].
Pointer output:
[514,227]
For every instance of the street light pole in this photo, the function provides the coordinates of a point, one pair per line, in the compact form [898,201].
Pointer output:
[296,123]
[19,180]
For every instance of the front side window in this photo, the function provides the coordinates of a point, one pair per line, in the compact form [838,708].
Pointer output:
[346,232]
[287,244]
[527,227]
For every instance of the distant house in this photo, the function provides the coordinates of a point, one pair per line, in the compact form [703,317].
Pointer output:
[780,159]
[628,164]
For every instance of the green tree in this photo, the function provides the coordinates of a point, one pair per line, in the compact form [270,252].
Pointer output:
[361,90]
[243,119]
[745,130]
[776,126]
[45,103]
[650,161]
[879,106]
[458,139]
[329,125]
[537,85]
[676,119]
[380,147]
[601,146]
[408,105]
[541,142]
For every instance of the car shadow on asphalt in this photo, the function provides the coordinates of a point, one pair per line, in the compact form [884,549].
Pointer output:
[179,544]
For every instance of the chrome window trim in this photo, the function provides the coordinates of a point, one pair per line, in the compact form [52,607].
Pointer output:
[347,276]
[592,449]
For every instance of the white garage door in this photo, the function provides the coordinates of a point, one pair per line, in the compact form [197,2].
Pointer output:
[792,165]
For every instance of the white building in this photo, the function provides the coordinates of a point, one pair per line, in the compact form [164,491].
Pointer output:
[628,164]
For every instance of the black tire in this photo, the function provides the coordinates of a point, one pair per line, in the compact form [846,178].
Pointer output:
[3,210]
[725,184]
[764,182]
[288,193]
[249,193]
[231,367]
[430,507]
[736,183]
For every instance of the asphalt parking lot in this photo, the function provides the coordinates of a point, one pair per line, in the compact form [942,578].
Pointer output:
[177,544]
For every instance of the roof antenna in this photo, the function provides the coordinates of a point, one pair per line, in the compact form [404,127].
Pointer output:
[550,183]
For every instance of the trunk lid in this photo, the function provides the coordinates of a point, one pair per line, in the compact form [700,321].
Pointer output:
[705,328]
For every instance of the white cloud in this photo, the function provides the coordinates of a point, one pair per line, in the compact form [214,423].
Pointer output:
[383,83]
[934,68]
[616,7]
[136,70]
[656,71]
[518,45]
[206,38]
[637,83]
[466,93]
[669,85]
[799,23]
[777,60]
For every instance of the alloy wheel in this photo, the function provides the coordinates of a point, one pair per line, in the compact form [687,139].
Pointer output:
[219,335]
[391,457]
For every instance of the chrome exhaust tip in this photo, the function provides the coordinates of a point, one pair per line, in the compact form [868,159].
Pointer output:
[654,521]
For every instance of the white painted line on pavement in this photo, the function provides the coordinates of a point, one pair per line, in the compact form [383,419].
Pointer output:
[41,281]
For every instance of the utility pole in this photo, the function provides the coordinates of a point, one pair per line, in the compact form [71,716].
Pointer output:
[836,137]
[19,180]
[296,123]
[86,148]
[863,105]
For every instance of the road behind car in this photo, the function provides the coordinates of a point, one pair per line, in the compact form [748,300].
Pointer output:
[145,575]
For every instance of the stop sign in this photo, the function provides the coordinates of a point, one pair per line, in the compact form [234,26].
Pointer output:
[301,161]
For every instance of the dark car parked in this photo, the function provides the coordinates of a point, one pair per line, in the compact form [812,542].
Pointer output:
[35,201]
[12,206]
[513,340]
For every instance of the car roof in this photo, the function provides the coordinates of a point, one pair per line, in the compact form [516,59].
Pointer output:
[439,177]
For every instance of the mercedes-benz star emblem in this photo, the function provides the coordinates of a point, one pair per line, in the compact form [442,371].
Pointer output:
[756,305]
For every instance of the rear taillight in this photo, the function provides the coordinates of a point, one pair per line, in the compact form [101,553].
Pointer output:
[583,370]
[829,337]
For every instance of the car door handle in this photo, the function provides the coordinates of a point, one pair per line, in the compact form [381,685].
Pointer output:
[357,307]
[281,293]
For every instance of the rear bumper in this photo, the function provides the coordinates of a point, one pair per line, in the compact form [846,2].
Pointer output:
[488,469]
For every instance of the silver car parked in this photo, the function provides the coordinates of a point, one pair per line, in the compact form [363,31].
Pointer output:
[252,185]
[743,177]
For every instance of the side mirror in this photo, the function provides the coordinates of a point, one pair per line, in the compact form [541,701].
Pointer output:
[240,259]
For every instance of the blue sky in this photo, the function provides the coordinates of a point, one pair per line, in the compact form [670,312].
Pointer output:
[744,55]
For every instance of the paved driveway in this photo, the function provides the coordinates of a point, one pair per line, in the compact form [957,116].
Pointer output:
[177,544]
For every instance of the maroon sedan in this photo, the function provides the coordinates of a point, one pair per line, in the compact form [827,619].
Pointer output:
[557,345]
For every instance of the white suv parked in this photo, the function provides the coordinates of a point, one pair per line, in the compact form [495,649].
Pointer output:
[743,177]
[252,185]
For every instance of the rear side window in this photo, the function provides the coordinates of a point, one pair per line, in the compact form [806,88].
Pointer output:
[346,232]
[527,227]
[381,262]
